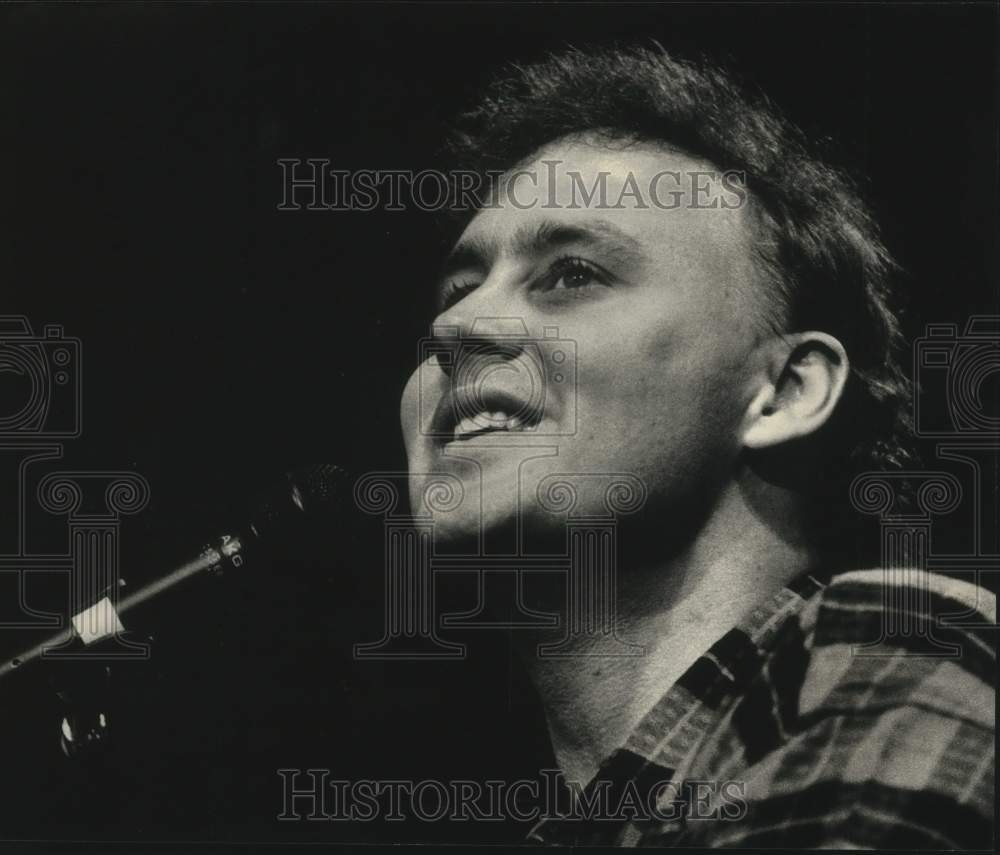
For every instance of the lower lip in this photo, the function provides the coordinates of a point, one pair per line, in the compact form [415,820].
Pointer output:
[486,435]
[472,437]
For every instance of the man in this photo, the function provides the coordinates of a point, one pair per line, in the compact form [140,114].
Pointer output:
[736,358]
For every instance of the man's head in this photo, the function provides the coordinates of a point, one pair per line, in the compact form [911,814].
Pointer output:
[726,291]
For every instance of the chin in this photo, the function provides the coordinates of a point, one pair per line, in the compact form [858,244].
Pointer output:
[492,526]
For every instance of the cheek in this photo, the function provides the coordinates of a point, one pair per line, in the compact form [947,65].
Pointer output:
[660,394]
[409,410]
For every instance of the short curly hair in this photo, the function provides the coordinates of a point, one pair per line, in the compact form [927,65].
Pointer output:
[817,240]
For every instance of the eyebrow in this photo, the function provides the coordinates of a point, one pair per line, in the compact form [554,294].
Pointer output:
[479,251]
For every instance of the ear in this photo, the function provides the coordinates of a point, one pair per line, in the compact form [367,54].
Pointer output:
[806,374]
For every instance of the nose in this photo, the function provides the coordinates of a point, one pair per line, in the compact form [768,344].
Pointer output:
[484,323]
[489,366]
[494,339]
[486,350]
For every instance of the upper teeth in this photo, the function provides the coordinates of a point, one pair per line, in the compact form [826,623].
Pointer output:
[486,421]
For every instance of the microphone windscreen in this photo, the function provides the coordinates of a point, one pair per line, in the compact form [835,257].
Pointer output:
[316,492]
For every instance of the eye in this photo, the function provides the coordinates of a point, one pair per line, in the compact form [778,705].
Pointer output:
[453,292]
[570,273]
[566,274]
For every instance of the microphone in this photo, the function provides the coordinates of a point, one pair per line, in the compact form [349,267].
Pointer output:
[305,498]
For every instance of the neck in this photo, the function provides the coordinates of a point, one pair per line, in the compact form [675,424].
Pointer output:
[675,607]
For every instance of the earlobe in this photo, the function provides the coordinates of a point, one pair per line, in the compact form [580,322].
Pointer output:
[809,374]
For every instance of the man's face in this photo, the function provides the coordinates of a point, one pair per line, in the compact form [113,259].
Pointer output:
[659,301]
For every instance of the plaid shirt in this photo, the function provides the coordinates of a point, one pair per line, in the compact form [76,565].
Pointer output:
[794,730]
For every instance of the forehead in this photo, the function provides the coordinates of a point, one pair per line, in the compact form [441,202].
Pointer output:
[639,197]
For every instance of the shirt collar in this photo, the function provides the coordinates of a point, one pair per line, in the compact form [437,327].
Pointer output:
[660,747]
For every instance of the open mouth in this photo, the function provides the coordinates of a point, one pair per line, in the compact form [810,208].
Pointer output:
[485,422]
[461,417]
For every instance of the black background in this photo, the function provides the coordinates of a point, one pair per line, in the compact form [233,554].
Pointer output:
[225,340]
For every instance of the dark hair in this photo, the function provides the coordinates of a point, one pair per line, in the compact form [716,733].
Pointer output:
[819,244]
